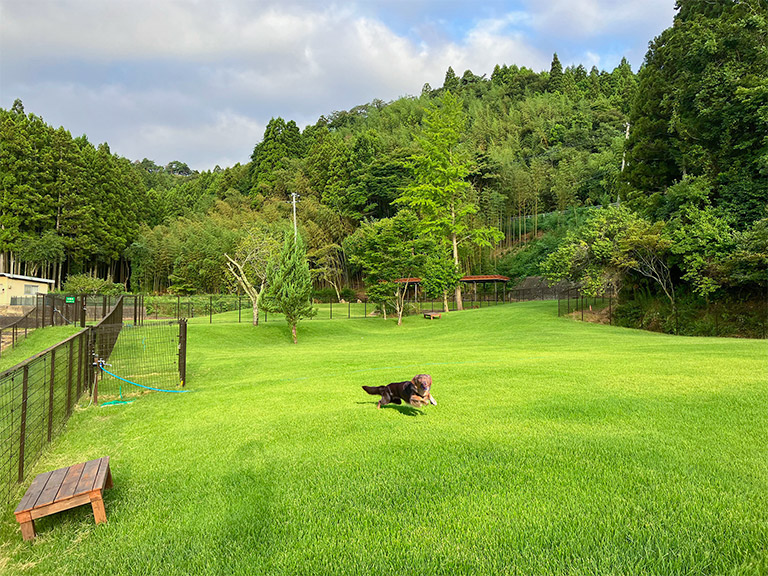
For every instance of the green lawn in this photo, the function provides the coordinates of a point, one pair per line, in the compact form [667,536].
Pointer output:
[557,447]
[36,341]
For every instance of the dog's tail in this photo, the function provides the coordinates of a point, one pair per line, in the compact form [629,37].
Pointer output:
[373,390]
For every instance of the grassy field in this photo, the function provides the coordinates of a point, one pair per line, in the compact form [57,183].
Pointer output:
[37,341]
[557,447]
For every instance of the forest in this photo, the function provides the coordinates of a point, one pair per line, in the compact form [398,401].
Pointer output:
[653,183]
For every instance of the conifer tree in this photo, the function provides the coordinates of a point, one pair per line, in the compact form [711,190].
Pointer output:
[290,283]
[556,75]
[451,81]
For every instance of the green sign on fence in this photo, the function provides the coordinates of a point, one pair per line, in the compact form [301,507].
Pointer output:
[70,299]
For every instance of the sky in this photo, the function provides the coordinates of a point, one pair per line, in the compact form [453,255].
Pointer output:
[198,80]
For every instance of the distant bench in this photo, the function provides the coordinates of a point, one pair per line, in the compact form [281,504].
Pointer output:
[432,315]
[62,489]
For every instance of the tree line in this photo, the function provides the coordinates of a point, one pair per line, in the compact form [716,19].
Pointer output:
[680,144]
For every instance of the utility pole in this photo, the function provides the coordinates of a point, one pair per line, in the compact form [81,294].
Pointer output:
[624,156]
[294,196]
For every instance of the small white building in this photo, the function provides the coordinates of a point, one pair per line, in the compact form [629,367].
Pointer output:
[18,290]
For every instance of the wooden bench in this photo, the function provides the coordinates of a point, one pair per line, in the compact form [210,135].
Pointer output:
[432,315]
[63,489]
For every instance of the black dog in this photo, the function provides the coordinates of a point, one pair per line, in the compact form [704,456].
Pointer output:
[414,392]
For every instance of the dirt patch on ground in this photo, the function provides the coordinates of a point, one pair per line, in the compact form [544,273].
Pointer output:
[596,316]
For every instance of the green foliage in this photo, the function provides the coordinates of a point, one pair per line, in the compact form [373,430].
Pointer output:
[86,284]
[526,259]
[556,82]
[389,250]
[289,283]
[440,192]
[512,157]
[611,243]
[440,275]
[282,141]
[701,108]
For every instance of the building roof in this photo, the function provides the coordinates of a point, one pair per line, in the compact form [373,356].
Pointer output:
[27,278]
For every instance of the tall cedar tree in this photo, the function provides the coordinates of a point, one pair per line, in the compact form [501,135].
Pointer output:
[290,283]
[556,82]
[440,191]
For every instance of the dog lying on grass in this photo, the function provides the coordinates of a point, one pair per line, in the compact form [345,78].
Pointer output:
[415,392]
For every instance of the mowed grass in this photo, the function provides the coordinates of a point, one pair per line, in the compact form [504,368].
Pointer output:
[36,341]
[557,447]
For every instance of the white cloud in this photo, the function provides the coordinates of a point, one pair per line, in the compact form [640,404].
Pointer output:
[197,81]
[589,18]
[227,139]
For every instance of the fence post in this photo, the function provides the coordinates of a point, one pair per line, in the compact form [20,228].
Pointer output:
[610,309]
[50,393]
[79,387]
[88,361]
[23,424]
[69,375]
[183,352]
[210,309]
[365,307]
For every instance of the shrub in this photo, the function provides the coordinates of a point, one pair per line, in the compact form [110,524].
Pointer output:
[87,284]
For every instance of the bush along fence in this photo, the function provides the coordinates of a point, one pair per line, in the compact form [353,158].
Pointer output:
[38,395]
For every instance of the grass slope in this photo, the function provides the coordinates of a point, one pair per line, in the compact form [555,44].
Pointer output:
[557,447]
[37,341]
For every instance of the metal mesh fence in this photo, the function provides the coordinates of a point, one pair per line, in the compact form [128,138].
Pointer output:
[61,309]
[38,395]
[575,302]
[36,398]
[145,355]
[233,308]
[16,331]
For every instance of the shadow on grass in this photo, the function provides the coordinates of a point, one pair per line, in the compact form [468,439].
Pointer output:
[404,410]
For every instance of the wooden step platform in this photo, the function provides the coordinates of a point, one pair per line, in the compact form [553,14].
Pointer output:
[62,489]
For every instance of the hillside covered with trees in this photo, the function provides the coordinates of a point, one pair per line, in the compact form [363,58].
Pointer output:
[681,146]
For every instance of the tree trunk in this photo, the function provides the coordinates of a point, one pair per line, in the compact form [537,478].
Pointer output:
[255,314]
[293,333]
[454,241]
[445,301]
